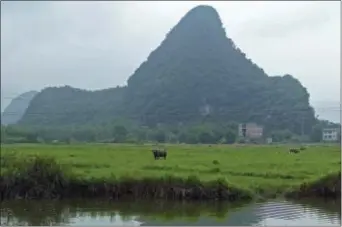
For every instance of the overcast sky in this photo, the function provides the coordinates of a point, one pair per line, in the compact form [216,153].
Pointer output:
[95,45]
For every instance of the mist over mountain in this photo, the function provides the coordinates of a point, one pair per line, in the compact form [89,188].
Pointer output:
[16,108]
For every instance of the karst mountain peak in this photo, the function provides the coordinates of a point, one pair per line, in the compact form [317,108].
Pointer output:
[196,67]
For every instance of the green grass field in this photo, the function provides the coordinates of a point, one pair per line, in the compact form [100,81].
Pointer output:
[251,167]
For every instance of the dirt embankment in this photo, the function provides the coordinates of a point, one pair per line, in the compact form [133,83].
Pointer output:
[327,187]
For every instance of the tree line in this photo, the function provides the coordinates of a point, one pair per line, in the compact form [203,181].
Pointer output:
[204,133]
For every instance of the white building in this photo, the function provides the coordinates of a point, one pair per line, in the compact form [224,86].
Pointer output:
[330,134]
[250,130]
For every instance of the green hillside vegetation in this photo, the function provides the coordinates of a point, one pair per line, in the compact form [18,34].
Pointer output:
[196,75]
[55,106]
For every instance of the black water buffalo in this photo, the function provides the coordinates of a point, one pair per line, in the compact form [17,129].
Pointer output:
[294,150]
[159,154]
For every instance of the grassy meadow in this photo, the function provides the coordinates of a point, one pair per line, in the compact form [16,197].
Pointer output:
[258,168]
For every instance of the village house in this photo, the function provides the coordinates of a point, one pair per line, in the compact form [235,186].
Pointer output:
[330,134]
[250,131]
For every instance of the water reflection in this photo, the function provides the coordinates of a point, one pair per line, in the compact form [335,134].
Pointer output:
[293,213]
[136,213]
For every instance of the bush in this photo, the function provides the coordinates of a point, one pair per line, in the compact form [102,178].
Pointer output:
[35,177]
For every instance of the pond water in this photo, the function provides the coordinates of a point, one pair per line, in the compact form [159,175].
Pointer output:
[157,213]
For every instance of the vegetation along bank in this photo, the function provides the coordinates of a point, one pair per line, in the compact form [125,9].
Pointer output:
[190,172]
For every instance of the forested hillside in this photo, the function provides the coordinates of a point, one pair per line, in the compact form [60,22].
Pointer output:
[56,106]
[196,74]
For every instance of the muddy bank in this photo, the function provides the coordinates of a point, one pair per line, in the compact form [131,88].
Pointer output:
[326,187]
[43,178]
[138,189]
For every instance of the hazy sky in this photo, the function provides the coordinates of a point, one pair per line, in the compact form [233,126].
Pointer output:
[96,45]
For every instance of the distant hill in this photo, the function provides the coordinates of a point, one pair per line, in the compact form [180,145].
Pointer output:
[72,106]
[17,107]
[196,74]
